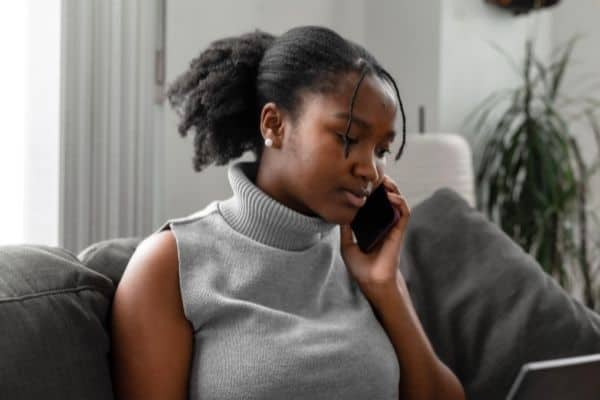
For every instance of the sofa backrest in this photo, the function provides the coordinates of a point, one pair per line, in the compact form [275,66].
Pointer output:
[54,341]
[109,257]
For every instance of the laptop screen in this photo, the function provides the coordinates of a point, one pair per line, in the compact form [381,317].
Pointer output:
[563,378]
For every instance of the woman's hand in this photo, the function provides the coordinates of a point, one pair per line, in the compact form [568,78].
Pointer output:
[377,272]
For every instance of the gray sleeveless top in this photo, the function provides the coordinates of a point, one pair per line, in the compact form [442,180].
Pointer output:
[275,313]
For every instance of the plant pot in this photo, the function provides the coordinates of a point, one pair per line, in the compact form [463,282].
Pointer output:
[522,6]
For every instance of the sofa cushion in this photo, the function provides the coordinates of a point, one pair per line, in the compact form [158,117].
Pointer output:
[110,257]
[53,341]
[486,305]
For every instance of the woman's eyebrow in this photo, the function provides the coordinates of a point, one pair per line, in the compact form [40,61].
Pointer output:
[357,120]
[364,124]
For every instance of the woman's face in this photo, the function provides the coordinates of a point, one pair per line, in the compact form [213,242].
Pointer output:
[307,169]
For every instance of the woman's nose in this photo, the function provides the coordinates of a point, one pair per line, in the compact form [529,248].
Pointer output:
[368,169]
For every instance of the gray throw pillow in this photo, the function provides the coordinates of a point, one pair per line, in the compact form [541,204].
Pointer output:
[486,305]
[110,257]
[53,338]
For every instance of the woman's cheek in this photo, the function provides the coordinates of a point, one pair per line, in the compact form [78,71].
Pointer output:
[380,164]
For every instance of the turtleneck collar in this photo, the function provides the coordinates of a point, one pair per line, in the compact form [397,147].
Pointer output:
[257,215]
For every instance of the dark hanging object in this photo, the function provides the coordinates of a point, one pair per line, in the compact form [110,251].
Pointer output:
[522,6]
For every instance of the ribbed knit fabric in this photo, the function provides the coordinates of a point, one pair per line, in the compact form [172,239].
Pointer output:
[276,315]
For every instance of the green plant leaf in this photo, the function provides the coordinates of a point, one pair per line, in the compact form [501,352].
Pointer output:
[542,72]
[595,127]
[529,169]
[562,64]
[513,64]
[486,106]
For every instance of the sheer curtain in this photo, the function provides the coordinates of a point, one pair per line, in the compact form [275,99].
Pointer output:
[111,113]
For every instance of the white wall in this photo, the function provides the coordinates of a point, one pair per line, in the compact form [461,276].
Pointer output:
[581,17]
[470,68]
[405,37]
[582,79]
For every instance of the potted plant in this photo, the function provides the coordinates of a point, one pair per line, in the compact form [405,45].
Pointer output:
[530,175]
[522,6]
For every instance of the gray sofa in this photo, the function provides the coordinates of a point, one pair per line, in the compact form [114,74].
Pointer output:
[486,306]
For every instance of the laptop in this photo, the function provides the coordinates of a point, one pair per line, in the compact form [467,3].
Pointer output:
[576,378]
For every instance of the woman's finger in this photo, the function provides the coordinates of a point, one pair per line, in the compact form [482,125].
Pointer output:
[401,201]
[390,184]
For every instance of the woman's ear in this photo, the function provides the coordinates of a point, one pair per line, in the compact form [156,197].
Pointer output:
[271,123]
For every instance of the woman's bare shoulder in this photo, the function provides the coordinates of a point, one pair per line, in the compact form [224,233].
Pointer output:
[155,264]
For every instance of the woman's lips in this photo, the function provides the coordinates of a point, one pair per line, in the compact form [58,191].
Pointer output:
[353,199]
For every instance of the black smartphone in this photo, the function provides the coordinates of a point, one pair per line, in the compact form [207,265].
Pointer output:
[374,220]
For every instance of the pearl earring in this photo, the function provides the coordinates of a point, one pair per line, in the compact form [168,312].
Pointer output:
[268,142]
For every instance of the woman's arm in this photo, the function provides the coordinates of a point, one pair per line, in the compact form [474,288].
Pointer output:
[151,340]
[423,376]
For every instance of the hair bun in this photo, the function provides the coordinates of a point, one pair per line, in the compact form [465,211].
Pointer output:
[217,96]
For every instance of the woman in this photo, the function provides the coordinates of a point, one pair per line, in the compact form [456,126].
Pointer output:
[265,295]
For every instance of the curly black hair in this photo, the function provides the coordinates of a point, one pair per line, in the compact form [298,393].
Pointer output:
[222,93]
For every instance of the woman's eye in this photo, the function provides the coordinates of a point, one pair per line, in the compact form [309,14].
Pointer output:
[380,154]
[343,137]
[383,152]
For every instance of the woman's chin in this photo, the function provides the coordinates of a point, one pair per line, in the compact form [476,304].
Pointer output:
[341,216]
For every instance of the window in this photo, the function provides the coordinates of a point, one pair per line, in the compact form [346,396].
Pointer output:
[29,127]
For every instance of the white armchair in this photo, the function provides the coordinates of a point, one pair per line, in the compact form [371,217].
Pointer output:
[431,161]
